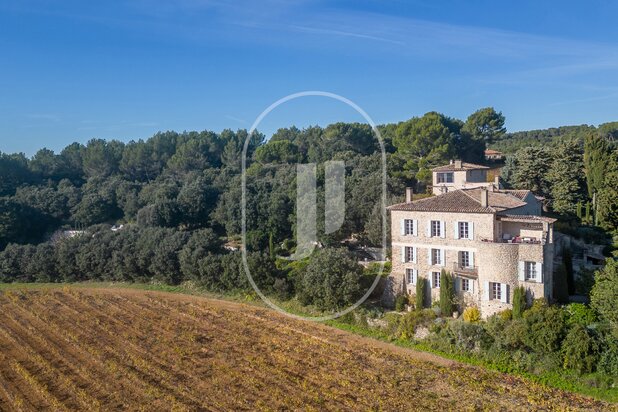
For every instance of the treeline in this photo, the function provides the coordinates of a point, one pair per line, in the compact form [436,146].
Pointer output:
[509,143]
[573,175]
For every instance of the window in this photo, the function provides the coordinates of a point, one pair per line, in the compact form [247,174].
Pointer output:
[408,226]
[464,259]
[409,254]
[445,177]
[530,271]
[495,291]
[435,277]
[410,276]
[435,228]
[465,285]
[464,230]
[436,257]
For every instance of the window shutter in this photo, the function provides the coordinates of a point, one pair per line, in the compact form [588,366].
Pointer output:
[403,254]
[414,254]
[521,271]
[471,283]
[442,229]
[442,257]
[457,229]
[457,284]
[486,291]
[471,230]
[415,227]
[429,228]
[539,272]
[403,227]
[431,280]
[471,254]
[504,293]
[414,276]
[429,256]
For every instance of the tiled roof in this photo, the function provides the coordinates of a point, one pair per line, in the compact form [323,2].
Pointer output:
[464,166]
[491,151]
[520,194]
[525,218]
[498,199]
[462,201]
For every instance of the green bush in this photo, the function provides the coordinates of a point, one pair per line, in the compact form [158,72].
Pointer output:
[578,313]
[421,293]
[604,293]
[467,336]
[407,324]
[608,359]
[472,314]
[506,314]
[400,302]
[545,327]
[331,280]
[579,350]
[519,302]
[447,291]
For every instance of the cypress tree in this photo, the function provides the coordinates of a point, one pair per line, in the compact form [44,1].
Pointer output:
[421,293]
[446,293]
[519,302]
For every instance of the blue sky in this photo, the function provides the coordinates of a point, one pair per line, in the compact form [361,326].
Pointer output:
[74,70]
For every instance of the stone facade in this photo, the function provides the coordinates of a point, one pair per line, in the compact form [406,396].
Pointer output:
[490,260]
[490,242]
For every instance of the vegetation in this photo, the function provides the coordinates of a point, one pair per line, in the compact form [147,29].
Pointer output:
[447,293]
[519,302]
[151,341]
[421,293]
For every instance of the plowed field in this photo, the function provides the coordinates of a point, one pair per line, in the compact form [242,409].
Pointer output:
[114,349]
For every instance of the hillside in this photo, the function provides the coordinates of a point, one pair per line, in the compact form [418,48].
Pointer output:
[106,349]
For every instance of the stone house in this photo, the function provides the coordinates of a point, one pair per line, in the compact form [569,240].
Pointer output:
[491,240]
[491,154]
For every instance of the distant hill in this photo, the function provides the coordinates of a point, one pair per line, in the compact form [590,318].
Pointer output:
[511,142]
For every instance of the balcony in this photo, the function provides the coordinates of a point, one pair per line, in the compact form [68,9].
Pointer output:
[465,270]
[516,240]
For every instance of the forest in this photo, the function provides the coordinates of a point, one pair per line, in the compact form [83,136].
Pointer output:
[177,196]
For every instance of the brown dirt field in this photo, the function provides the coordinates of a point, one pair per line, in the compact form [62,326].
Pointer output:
[117,349]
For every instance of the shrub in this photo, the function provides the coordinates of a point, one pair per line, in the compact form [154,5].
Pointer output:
[545,326]
[400,302]
[467,336]
[579,350]
[519,302]
[608,360]
[446,293]
[578,313]
[472,314]
[421,293]
[407,324]
[506,314]
[331,280]
[604,294]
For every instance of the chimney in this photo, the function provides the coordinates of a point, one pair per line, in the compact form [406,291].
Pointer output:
[409,193]
[458,164]
[484,197]
[497,182]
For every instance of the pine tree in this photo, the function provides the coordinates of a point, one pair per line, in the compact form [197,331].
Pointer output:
[566,177]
